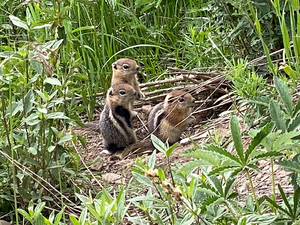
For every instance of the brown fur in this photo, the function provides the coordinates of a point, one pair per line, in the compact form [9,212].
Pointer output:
[168,120]
[125,71]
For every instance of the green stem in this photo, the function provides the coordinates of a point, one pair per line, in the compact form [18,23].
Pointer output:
[253,191]
[273,182]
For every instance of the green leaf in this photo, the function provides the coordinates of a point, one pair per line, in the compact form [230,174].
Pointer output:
[274,204]
[158,144]
[142,179]
[65,138]
[32,150]
[25,215]
[294,124]
[74,220]
[285,95]
[222,152]
[228,186]
[83,28]
[56,115]
[297,108]
[277,115]
[52,81]
[290,165]
[258,138]
[161,174]
[170,150]
[223,169]
[28,100]
[38,209]
[18,22]
[149,198]
[286,202]
[266,155]
[151,162]
[236,135]
[59,216]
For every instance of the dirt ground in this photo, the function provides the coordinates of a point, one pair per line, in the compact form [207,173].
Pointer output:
[206,125]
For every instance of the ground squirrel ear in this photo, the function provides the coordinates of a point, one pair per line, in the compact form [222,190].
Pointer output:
[110,92]
[114,65]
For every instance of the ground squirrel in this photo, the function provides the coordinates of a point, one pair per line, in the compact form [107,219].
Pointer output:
[170,118]
[125,71]
[116,118]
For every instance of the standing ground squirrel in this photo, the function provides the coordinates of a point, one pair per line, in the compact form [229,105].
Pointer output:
[170,118]
[125,71]
[116,118]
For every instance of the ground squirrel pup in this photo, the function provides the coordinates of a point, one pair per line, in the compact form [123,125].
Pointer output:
[125,71]
[116,118]
[170,118]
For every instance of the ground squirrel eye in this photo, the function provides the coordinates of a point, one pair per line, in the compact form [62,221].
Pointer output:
[181,99]
[122,92]
[125,66]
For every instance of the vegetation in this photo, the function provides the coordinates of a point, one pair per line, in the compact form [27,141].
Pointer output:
[55,53]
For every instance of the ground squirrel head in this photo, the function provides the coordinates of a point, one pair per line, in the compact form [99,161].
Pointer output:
[125,66]
[121,94]
[183,101]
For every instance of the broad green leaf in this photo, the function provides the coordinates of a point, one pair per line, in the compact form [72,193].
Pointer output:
[158,144]
[161,174]
[32,150]
[151,162]
[237,139]
[142,179]
[266,155]
[52,81]
[25,214]
[277,115]
[18,22]
[65,138]
[285,95]
[83,216]
[257,219]
[51,148]
[59,216]
[258,138]
[83,198]
[56,115]
[74,220]
[170,150]
[24,193]
[38,209]
[28,100]
[31,120]
[290,72]
[37,66]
